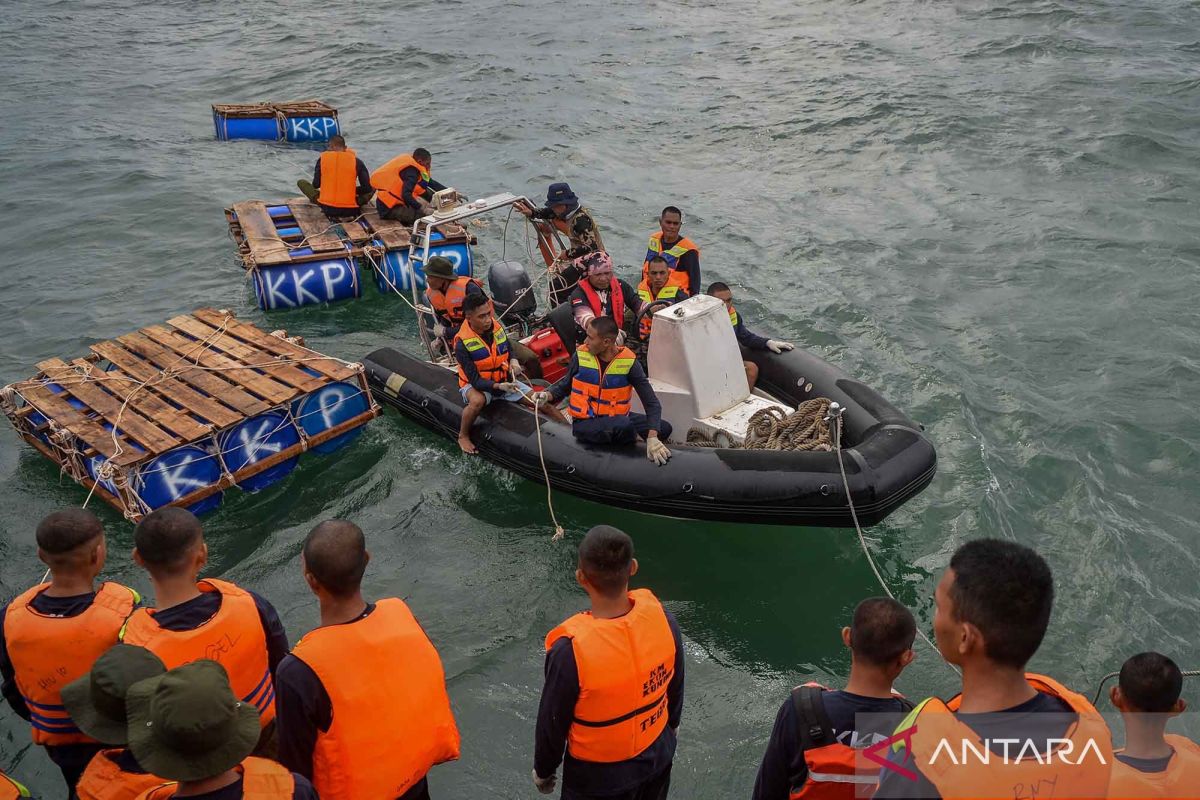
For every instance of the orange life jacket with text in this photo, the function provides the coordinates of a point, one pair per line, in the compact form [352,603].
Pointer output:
[339,179]
[672,255]
[491,360]
[625,666]
[449,303]
[234,637]
[389,184]
[104,780]
[49,652]
[11,789]
[616,300]
[1181,778]
[668,292]
[598,390]
[392,720]
[262,779]
[1068,774]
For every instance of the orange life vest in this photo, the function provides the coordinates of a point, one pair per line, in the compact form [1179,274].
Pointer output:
[1073,774]
[449,302]
[104,780]
[234,636]
[836,771]
[667,292]
[599,391]
[616,300]
[491,360]
[1181,778]
[10,789]
[733,317]
[625,665]
[262,779]
[48,652]
[339,179]
[672,255]
[390,185]
[380,671]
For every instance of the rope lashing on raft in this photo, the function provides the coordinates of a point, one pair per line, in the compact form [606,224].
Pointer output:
[805,429]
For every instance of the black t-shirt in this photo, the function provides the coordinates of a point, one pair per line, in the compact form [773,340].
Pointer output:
[1146,764]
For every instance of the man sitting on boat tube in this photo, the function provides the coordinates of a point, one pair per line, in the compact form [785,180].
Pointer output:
[601,380]
[486,367]
[746,337]
[601,294]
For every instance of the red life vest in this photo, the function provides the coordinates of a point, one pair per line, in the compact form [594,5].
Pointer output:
[616,300]
[671,255]
[234,636]
[1181,778]
[490,359]
[391,714]
[602,391]
[625,665]
[449,303]
[389,184]
[339,179]
[104,780]
[48,652]
[262,779]
[667,292]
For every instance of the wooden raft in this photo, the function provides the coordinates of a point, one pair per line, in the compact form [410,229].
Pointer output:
[295,108]
[168,386]
[259,244]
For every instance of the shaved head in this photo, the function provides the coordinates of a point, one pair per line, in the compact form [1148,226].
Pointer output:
[335,555]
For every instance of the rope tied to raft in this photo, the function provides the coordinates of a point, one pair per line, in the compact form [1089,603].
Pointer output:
[805,429]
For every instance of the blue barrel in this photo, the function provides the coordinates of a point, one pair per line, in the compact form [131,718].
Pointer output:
[310,283]
[256,439]
[278,211]
[265,128]
[290,231]
[310,129]
[329,406]
[176,474]
[396,268]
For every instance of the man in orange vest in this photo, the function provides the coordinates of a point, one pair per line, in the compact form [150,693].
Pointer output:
[681,253]
[335,177]
[363,707]
[188,726]
[814,749]
[97,704]
[204,618]
[993,606]
[655,292]
[745,337]
[1153,763]
[405,188]
[613,696]
[54,632]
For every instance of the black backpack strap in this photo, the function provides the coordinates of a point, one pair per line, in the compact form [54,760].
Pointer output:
[813,727]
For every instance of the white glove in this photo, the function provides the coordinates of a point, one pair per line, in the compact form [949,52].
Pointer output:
[545,785]
[776,346]
[542,398]
[439,330]
[620,338]
[506,387]
[515,368]
[656,451]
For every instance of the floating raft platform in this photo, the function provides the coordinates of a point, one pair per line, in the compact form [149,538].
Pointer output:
[297,256]
[175,414]
[297,121]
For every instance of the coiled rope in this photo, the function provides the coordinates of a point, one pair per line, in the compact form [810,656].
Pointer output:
[805,429]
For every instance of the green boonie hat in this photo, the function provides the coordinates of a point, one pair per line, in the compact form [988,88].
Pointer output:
[187,725]
[440,267]
[96,701]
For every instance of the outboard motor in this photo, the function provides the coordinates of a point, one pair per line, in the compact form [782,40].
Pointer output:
[511,290]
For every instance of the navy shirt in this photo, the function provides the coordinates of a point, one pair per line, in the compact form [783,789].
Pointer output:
[303,710]
[637,379]
[1019,722]
[783,765]
[199,610]
[410,177]
[557,709]
[747,338]
[1146,764]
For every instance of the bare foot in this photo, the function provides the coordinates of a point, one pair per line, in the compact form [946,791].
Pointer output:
[464,444]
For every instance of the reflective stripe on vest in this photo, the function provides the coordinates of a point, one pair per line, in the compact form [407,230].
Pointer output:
[667,292]
[339,177]
[234,636]
[11,789]
[449,302]
[598,391]
[390,185]
[379,671]
[49,652]
[104,780]
[491,360]
[1181,778]
[671,255]
[616,300]
[733,317]
[1080,776]
[625,666]
[261,780]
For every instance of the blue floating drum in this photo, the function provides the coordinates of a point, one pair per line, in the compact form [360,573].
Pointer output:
[255,440]
[327,407]
[396,268]
[176,474]
[305,284]
[306,121]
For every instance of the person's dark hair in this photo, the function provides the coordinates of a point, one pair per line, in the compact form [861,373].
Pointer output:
[62,534]
[1151,682]
[658,257]
[474,301]
[606,556]
[1006,590]
[164,537]
[881,631]
[717,286]
[421,154]
[337,139]
[605,327]
[335,553]
[672,210]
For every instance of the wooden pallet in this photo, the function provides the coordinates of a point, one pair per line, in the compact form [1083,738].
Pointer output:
[295,108]
[168,386]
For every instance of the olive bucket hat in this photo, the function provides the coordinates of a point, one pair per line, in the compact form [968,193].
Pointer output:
[187,725]
[96,701]
[440,267]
